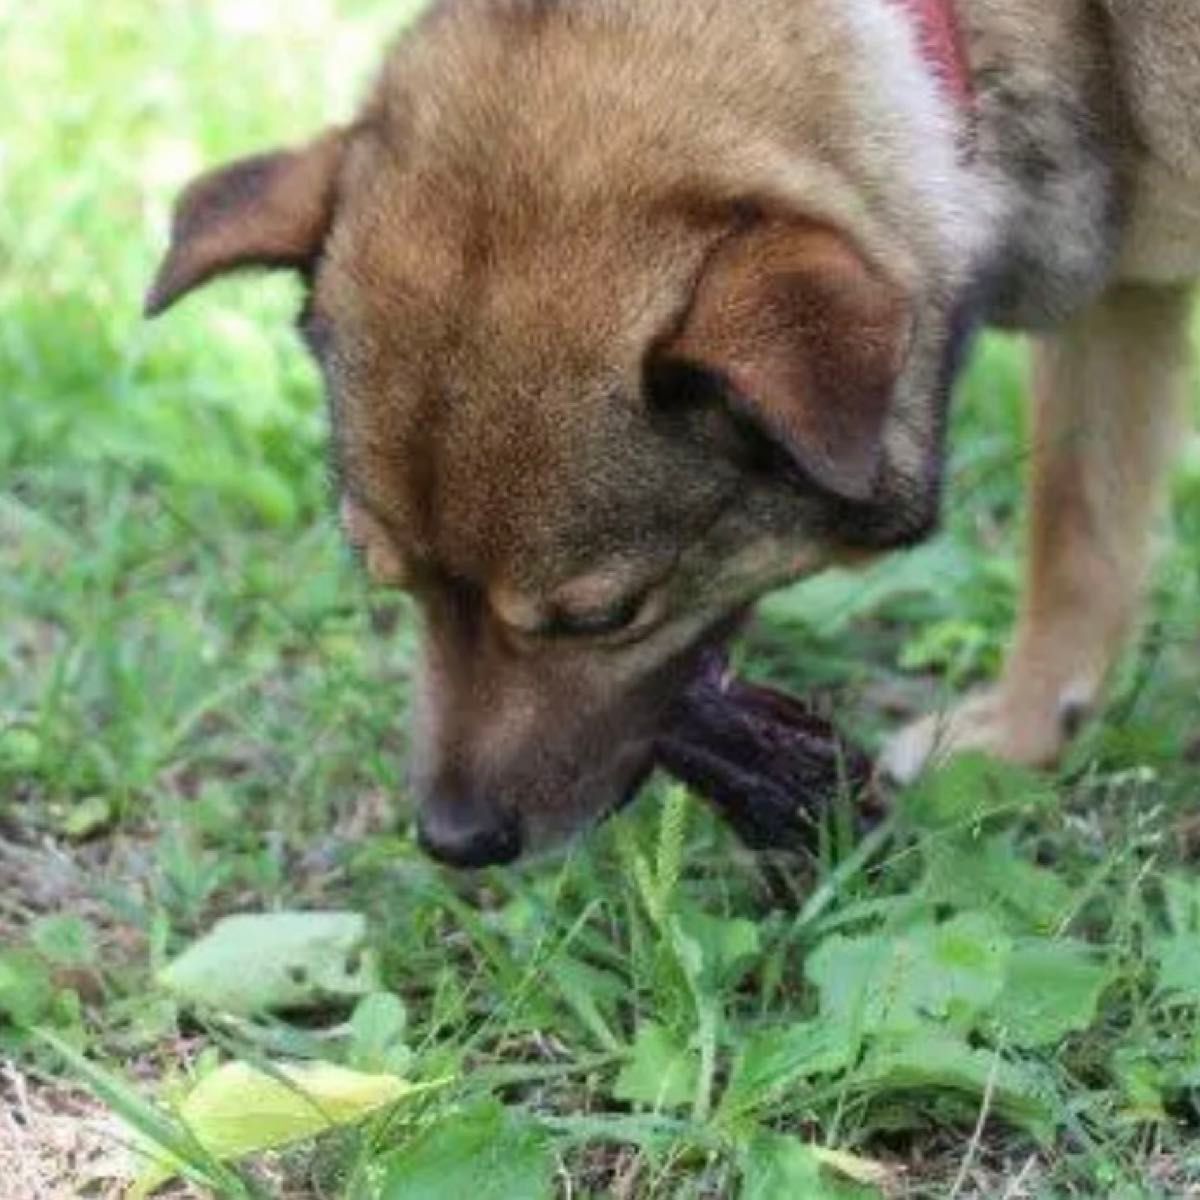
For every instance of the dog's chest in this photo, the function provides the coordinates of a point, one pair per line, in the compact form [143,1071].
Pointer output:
[1162,244]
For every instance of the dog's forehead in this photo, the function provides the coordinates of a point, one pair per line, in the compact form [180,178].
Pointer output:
[488,375]
[496,449]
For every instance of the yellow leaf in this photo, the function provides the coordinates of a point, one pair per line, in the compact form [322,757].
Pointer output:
[860,1170]
[240,1110]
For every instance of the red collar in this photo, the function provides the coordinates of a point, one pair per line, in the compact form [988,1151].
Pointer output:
[940,34]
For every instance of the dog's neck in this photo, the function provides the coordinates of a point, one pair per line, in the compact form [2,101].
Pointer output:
[939,34]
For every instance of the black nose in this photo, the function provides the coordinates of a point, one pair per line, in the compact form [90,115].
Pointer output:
[470,843]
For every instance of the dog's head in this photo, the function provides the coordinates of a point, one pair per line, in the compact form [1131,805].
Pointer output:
[592,397]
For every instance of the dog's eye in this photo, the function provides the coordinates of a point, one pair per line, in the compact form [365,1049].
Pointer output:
[600,623]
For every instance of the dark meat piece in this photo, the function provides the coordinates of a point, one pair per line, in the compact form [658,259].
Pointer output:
[764,759]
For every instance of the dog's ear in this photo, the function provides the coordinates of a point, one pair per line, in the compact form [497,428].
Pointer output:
[808,341]
[269,211]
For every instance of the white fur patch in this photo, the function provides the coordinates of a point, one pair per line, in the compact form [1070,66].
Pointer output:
[936,195]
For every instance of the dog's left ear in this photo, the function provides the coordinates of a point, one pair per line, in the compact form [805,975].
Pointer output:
[809,341]
[273,210]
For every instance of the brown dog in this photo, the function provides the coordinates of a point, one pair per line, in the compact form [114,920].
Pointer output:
[632,311]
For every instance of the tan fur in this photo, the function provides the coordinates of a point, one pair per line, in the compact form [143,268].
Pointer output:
[630,312]
[265,211]
[1108,397]
[794,318]
[1158,55]
[1157,45]
[1108,400]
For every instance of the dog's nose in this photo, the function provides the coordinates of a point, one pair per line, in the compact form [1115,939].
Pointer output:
[470,842]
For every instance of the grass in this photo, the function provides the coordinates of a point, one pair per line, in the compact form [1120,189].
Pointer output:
[202,712]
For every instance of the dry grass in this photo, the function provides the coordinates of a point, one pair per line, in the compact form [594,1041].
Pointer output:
[57,1142]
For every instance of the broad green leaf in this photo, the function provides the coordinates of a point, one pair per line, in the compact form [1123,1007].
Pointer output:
[239,1110]
[948,972]
[772,1060]
[969,789]
[853,976]
[377,1034]
[26,990]
[727,946]
[1179,967]
[993,875]
[660,1073]
[960,967]
[483,1153]
[275,962]
[776,1167]
[1053,988]
[935,1059]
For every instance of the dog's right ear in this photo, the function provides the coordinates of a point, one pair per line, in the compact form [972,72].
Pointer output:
[273,210]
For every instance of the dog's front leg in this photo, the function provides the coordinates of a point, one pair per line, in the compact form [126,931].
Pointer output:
[1106,403]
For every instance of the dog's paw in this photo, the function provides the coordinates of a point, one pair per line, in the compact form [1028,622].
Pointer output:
[993,722]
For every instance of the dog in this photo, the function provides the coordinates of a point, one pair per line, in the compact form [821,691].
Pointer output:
[631,312]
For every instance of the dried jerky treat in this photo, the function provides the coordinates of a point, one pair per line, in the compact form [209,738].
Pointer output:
[764,759]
